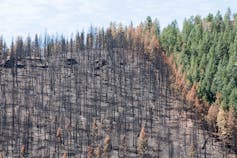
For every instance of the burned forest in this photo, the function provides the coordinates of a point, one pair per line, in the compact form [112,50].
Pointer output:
[106,93]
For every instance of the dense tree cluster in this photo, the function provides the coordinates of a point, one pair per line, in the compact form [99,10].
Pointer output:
[206,48]
[204,53]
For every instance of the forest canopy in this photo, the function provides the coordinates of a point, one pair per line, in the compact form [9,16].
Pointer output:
[205,51]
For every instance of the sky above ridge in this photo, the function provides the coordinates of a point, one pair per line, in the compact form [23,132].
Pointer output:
[23,17]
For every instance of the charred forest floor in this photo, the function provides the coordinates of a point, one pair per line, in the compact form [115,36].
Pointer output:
[94,93]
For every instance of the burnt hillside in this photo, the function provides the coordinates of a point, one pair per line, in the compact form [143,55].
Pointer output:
[94,103]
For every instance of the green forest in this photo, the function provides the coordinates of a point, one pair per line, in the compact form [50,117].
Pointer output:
[206,52]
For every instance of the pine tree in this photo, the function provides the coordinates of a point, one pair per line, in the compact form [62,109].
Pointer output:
[233,98]
[222,123]
[142,143]
[212,117]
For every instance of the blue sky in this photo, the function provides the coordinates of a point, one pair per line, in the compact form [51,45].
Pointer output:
[23,17]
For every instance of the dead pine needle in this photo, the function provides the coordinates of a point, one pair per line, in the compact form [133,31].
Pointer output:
[1,155]
[90,152]
[23,150]
[59,135]
[142,143]
[98,152]
[107,145]
[64,155]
